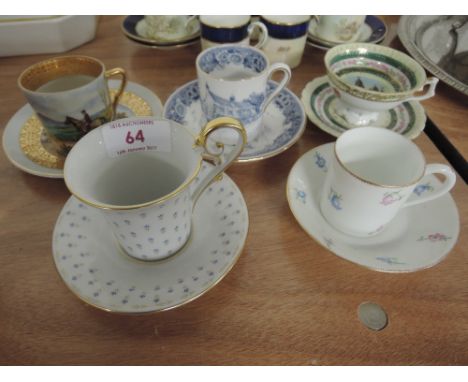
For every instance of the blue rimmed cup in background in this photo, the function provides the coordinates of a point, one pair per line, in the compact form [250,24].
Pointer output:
[287,37]
[232,81]
[219,29]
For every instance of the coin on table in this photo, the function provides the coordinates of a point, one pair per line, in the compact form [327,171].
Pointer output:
[372,316]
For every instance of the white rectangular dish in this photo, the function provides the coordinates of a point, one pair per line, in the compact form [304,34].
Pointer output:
[24,35]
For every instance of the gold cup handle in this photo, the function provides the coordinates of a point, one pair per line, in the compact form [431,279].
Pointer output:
[123,77]
[216,154]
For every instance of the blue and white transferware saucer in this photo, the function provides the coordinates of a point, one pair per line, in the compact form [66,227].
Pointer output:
[319,100]
[284,120]
[97,271]
[372,31]
[419,237]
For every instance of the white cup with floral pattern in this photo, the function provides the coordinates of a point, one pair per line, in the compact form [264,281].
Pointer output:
[372,174]
[147,196]
[339,28]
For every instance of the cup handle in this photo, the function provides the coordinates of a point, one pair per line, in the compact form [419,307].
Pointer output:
[263,35]
[189,20]
[431,82]
[287,76]
[449,182]
[123,77]
[220,159]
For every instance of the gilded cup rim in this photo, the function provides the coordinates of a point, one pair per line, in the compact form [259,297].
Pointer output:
[95,135]
[368,94]
[61,60]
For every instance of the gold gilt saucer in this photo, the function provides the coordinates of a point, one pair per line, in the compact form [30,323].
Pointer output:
[28,148]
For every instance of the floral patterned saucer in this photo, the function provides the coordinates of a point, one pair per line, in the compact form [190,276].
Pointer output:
[98,272]
[419,237]
[284,120]
[372,31]
[319,99]
[172,40]
[25,144]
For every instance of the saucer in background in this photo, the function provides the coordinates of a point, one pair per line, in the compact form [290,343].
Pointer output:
[318,98]
[372,31]
[129,28]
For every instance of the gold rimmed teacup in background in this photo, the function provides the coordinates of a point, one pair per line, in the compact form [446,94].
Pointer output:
[287,37]
[369,79]
[70,96]
[338,29]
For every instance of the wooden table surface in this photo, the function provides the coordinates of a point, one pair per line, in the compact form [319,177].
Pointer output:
[286,301]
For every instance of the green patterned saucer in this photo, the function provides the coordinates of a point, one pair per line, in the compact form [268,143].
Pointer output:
[319,100]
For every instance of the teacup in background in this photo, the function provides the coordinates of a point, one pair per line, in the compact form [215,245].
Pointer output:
[218,29]
[369,79]
[165,27]
[372,174]
[233,82]
[145,195]
[287,37]
[70,96]
[338,29]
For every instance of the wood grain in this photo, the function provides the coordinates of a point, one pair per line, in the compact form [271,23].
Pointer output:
[288,301]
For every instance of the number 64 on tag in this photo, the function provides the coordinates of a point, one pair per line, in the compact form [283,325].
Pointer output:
[121,138]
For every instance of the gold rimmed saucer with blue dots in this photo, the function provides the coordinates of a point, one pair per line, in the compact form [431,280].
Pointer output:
[100,273]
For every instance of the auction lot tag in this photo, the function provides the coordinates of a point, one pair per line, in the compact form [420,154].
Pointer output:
[136,134]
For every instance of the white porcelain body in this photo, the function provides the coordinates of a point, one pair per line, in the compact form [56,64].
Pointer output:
[288,51]
[145,229]
[232,81]
[340,28]
[372,174]
[231,29]
[359,111]
[287,37]
[154,232]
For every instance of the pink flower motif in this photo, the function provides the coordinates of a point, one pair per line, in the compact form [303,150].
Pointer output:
[437,237]
[391,197]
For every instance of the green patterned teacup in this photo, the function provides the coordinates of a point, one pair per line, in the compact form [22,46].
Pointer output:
[370,78]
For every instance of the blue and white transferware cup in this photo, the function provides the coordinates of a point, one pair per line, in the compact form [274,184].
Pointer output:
[232,81]
[287,37]
[229,29]
[147,196]
[373,172]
